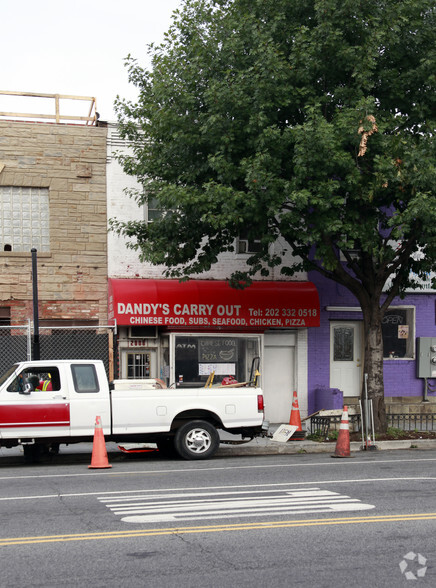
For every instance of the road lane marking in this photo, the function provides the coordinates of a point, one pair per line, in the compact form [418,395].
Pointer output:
[105,535]
[190,469]
[233,503]
[147,492]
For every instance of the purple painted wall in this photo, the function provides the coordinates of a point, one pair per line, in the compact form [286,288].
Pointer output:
[399,374]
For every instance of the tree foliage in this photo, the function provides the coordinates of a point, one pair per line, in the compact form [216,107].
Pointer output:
[313,120]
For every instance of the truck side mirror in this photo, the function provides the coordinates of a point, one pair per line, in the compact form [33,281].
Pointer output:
[28,388]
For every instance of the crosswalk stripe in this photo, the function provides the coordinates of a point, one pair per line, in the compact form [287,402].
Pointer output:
[192,506]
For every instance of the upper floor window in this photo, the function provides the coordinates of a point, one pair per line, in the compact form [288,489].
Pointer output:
[153,210]
[24,219]
[247,245]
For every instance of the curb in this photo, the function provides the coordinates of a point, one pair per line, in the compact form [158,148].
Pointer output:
[267,447]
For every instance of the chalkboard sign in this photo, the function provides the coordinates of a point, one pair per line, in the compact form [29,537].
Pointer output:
[217,350]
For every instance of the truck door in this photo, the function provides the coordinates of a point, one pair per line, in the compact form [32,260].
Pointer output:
[89,398]
[34,403]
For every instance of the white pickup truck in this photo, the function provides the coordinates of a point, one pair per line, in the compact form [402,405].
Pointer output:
[47,403]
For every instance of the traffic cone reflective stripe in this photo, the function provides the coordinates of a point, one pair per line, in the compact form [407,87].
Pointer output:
[99,457]
[343,443]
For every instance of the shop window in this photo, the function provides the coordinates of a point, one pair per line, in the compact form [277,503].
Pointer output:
[139,365]
[24,219]
[228,358]
[398,333]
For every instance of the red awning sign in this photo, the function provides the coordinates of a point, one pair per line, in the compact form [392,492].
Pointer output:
[213,303]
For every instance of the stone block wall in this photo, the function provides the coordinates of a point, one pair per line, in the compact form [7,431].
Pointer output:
[69,160]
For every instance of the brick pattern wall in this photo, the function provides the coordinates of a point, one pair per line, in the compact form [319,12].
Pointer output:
[69,160]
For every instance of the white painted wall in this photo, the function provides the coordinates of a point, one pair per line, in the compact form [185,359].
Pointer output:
[123,262]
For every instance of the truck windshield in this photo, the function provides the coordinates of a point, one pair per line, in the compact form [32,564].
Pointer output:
[6,375]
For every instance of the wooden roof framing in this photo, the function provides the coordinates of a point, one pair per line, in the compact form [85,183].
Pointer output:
[56,116]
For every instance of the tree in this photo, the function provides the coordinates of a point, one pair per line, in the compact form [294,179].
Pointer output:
[313,120]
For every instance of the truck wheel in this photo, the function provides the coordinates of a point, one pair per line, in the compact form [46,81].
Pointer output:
[196,440]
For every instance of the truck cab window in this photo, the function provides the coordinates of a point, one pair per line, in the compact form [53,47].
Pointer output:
[85,378]
[40,379]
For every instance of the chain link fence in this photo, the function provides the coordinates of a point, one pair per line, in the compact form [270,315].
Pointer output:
[60,343]
[15,345]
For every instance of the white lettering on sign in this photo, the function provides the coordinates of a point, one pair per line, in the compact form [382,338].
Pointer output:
[193,309]
[139,308]
[229,321]
[228,310]
[221,315]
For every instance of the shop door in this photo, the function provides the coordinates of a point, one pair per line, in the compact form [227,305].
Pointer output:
[139,364]
[278,381]
[346,357]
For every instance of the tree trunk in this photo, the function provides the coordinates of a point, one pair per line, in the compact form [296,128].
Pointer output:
[373,367]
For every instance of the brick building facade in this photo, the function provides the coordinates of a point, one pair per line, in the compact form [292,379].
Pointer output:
[53,198]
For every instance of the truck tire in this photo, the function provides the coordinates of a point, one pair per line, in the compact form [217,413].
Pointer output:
[196,440]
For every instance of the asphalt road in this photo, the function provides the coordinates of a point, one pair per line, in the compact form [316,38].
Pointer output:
[281,520]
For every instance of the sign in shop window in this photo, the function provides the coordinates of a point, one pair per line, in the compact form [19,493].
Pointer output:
[397,330]
[198,356]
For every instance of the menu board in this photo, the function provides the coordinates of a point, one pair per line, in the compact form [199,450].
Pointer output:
[217,350]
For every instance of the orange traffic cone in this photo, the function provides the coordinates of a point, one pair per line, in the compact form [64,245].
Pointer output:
[343,443]
[99,454]
[295,420]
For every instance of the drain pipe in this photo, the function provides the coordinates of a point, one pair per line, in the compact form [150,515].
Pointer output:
[366,409]
[36,349]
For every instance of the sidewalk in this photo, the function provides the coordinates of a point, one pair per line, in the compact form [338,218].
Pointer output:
[266,446]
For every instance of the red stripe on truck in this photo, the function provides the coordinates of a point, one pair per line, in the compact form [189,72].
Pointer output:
[36,415]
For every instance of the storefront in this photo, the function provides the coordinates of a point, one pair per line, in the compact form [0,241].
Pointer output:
[182,332]
[336,358]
